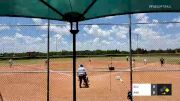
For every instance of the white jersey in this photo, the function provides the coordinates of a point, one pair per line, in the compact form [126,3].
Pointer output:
[81,71]
[10,61]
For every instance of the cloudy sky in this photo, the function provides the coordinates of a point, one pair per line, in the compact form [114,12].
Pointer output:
[105,33]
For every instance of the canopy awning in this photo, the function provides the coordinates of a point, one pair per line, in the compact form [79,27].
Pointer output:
[79,10]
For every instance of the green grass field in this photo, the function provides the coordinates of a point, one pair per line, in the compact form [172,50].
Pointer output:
[22,62]
[150,59]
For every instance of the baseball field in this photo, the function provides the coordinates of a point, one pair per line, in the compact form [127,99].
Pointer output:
[26,80]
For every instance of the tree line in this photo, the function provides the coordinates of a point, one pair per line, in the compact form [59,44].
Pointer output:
[144,51]
[65,53]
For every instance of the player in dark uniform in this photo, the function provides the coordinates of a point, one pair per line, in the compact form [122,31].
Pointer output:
[162,61]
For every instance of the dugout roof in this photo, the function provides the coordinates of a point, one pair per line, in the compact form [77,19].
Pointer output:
[79,10]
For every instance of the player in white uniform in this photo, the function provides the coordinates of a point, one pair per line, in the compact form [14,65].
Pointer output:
[10,63]
[145,61]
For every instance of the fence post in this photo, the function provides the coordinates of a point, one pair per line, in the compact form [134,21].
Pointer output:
[48,75]
[1,97]
[74,32]
[130,94]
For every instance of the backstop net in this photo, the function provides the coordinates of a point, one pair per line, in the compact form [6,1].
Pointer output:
[102,48]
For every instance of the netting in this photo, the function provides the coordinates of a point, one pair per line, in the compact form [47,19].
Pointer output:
[21,69]
[100,45]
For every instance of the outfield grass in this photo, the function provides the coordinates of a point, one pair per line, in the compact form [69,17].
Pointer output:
[4,63]
[61,59]
[22,62]
[150,59]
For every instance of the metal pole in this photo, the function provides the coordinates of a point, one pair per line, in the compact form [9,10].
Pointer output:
[111,61]
[130,55]
[3,49]
[110,81]
[48,76]
[74,32]
[74,67]
[137,40]
[56,44]
[1,97]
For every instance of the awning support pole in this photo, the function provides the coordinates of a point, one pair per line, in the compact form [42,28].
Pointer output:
[74,30]
[47,62]
[130,95]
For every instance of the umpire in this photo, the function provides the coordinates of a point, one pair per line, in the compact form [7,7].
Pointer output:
[82,76]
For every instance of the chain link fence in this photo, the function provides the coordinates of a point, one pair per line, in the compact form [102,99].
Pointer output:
[101,44]
[22,63]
